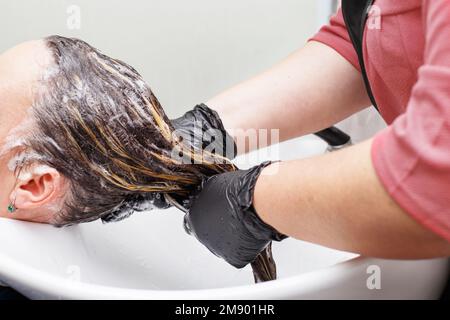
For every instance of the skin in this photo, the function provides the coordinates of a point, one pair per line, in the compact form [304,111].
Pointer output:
[36,193]
[335,200]
[290,96]
[360,217]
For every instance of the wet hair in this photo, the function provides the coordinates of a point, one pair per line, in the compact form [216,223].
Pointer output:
[99,124]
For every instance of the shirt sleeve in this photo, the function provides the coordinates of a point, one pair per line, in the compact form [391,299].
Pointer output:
[412,155]
[335,35]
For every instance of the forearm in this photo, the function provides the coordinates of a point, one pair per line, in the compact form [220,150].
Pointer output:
[336,200]
[312,89]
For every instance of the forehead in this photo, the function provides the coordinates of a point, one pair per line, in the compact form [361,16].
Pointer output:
[20,68]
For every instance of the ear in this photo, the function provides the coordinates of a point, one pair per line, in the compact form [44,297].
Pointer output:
[37,186]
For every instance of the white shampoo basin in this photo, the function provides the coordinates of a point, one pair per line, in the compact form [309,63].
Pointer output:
[149,256]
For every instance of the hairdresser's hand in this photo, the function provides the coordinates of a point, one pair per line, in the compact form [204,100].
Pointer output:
[223,219]
[205,131]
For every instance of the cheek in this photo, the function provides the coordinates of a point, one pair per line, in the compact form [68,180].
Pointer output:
[6,185]
[42,215]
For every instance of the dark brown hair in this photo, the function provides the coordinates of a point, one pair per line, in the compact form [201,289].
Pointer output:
[98,123]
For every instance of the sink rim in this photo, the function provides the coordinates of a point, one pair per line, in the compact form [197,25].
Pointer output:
[38,284]
[13,274]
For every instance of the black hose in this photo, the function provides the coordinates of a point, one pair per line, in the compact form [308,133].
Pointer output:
[333,136]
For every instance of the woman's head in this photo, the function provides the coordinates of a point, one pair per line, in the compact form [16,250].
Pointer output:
[83,136]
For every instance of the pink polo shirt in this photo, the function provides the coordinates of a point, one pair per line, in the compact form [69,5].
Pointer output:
[407,57]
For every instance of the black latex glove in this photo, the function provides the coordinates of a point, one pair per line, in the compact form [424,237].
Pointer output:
[205,129]
[223,219]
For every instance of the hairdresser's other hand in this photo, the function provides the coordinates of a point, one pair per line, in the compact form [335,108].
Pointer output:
[205,131]
[223,219]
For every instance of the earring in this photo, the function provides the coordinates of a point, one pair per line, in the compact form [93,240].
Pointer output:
[12,205]
[11,208]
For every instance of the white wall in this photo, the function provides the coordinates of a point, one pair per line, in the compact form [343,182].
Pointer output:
[186,50]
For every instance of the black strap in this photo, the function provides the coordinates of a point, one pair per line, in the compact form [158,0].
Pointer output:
[334,136]
[355,14]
